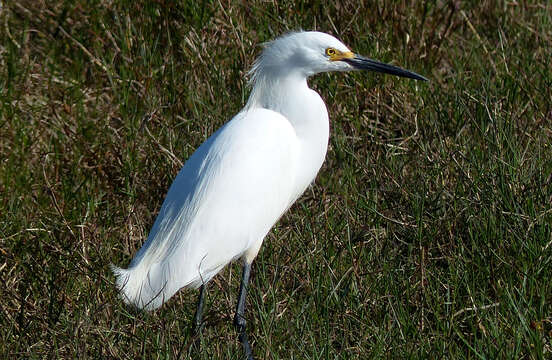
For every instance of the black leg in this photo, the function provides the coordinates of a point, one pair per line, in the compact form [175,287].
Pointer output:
[199,310]
[239,319]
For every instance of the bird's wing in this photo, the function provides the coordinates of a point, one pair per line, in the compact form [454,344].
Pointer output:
[221,205]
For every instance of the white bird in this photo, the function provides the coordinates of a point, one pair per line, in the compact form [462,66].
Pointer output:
[241,180]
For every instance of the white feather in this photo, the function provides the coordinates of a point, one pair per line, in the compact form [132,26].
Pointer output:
[240,181]
[212,213]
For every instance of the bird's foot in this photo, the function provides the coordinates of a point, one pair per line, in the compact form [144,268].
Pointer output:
[196,329]
[245,343]
[197,326]
[240,322]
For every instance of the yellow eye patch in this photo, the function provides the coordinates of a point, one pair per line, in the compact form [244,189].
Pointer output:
[337,55]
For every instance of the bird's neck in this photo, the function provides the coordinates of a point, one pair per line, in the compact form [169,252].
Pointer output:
[273,91]
[291,96]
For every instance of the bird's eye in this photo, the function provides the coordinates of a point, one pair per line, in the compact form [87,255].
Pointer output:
[331,51]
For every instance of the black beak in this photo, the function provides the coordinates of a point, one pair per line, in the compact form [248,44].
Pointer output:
[362,63]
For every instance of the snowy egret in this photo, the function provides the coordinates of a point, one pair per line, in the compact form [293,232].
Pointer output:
[241,180]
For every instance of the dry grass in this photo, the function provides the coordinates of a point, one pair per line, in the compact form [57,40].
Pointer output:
[426,235]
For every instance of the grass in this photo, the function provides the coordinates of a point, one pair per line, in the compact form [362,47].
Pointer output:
[427,233]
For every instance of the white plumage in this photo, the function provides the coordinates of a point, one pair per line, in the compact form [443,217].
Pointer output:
[241,180]
[212,213]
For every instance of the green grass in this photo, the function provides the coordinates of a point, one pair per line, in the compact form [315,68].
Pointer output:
[427,233]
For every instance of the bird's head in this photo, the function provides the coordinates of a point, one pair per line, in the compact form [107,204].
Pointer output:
[312,52]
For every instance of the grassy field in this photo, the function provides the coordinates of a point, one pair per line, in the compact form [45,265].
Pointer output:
[427,233]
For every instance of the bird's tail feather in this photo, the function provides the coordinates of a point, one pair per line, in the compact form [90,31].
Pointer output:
[137,287]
